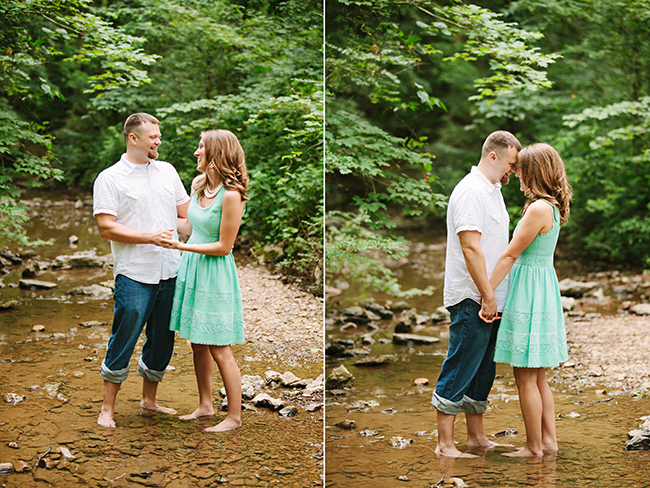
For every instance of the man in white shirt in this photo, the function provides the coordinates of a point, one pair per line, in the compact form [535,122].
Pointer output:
[477,235]
[136,203]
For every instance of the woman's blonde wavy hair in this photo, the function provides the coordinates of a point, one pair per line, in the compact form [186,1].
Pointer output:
[542,171]
[226,163]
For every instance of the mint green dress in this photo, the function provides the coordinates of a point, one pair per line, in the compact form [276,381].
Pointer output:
[207,307]
[532,333]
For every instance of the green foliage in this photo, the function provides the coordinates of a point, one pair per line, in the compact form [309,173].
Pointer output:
[355,252]
[385,63]
[196,65]
[32,35]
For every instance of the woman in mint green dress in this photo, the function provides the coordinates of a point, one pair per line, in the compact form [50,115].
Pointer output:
[531,335]
[207,306]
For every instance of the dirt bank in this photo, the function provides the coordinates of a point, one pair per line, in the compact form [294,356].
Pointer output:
[611,352]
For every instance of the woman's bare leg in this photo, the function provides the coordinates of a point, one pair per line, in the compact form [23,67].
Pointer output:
[531,409]
[232,381]
[203,368]
[549,437]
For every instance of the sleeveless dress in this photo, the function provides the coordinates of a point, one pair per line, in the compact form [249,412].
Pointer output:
[207,307]
[532,333]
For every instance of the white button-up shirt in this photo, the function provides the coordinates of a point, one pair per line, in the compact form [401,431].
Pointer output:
[475,205]
[142,197]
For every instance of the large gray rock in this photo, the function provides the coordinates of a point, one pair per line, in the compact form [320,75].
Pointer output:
[641,309]
[96,291]
[639,439]
[355,314]
[414,339]
[340,377]
[375,360]
[568,303]
[440,315]
[36,284]
[380,310]
[82,259]
[576,289]
[406,321]
[266,401]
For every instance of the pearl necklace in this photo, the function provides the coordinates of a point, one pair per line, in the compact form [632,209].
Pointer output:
[211,193]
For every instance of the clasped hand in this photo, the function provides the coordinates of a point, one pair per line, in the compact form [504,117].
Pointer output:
[488,312]
[163,238]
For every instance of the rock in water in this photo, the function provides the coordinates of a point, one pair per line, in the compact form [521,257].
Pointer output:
[14,398]
[639,439]
[375,361]
[267,401]
[340,377]
[347,424]
[82,259]
[25,284]
[414,339]
[400,442]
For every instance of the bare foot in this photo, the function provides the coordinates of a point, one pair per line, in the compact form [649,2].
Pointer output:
[225,425]
[525,452]
[551,447]
[455,453]
[105,419]
[155,408]
[197,414]
[485,444]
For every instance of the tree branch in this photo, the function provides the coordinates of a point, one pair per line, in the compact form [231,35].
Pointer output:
[434,15]
[61,25]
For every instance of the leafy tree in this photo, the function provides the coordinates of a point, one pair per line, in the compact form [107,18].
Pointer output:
[378,61]
[33,34]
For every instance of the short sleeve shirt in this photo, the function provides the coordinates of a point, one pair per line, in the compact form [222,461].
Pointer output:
[142,197]
[476,204]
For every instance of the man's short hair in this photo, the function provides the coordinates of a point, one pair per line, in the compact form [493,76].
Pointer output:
[137,120]
[501,139]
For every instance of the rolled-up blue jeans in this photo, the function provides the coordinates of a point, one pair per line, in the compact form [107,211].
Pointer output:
[467,374]
[137,304]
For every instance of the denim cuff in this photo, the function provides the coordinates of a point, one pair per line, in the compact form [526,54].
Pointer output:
[466,405]
[118,376]
[149,374]
[446,406]
[474,406]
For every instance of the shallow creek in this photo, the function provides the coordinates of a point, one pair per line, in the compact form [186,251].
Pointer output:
[592,424]
[56,371]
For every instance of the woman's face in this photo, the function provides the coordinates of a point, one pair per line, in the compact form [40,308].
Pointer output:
[201,164]
[522,185]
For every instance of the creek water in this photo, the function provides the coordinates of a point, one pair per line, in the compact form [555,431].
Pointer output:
[592,425]
[56,371]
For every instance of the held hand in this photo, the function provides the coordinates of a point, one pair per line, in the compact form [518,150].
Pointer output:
[160,234]
[170,243]
[488,312]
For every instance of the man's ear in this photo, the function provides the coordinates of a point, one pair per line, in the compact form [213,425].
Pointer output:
[492,156]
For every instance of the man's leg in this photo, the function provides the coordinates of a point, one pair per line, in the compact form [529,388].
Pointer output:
[479,389]
[446,445]
[158,347]
[131,308]
[467,343]
[107,412]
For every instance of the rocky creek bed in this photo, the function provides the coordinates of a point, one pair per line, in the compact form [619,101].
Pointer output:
[383,358]
[55,314]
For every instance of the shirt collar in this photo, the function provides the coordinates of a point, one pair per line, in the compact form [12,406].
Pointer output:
[489,186]
[131,167]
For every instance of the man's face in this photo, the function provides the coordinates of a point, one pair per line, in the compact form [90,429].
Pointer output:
[506,162]
[148,139]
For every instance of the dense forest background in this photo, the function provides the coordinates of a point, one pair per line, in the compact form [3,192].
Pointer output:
[415,87]
[71,72]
